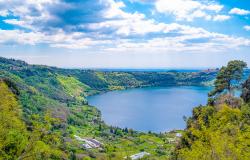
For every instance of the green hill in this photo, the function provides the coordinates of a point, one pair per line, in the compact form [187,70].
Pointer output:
[221,130]
[48,108]
[51,109]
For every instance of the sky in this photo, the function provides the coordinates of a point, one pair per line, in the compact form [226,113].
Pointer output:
[126,33]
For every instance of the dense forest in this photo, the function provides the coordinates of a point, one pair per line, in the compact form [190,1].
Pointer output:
[220,130]
[43,109]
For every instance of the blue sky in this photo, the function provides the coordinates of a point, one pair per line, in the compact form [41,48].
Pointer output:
[126,33]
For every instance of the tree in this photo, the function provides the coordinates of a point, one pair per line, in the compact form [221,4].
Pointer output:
[13,134]
[228,78]
[16,142]
[245,95]
[214,134]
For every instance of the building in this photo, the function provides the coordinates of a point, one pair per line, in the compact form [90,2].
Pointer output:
[89,143]
[178,135]
[86,146]
[138,155]
[93,143]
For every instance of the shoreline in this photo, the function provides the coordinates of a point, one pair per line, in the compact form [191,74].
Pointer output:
[148,87]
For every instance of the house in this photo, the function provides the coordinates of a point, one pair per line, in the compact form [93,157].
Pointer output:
[89,142]
[87,146]
[94,143]
[138,155]
[178,135]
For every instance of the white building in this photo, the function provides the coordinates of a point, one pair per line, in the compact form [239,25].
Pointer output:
[89,143]
[178,135]
[93,143]
[86,146]
[138,155]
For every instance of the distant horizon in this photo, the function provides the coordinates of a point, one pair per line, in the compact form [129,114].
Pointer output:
[122,68]
[135,69]
[119,68]
[39,61]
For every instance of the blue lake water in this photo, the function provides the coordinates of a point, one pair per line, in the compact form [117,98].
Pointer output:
[150,109]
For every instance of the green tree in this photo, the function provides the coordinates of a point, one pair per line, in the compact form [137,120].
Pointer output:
[43,141]
[228,78]
[223,132]
[245,95]
[13,134]
[221,135]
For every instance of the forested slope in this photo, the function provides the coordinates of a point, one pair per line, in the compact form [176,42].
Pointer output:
[220,130]
[43,108]
[49,109]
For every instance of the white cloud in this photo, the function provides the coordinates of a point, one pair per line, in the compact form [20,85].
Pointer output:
[247,28]
[239,11]
[59,39]
[76,40]
[4,13]
[115,30]
[221,18]
[213,7]
[31,14]
[18,23]
[142,1]
[114,9]
[20,37]
[216,43]
[187,9]
[133,24]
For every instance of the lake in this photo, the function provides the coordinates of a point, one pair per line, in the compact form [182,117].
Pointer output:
[149,109]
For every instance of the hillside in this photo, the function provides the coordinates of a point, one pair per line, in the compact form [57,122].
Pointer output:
[53,111]
[220,130]
[107,80]
[45,115]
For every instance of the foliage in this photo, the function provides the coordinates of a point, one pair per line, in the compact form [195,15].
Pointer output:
[74,88]
[50,108]
[228,77]
[245,95]
[13,134]
[42,108]
[220,131]
[221,134]
[16,142]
